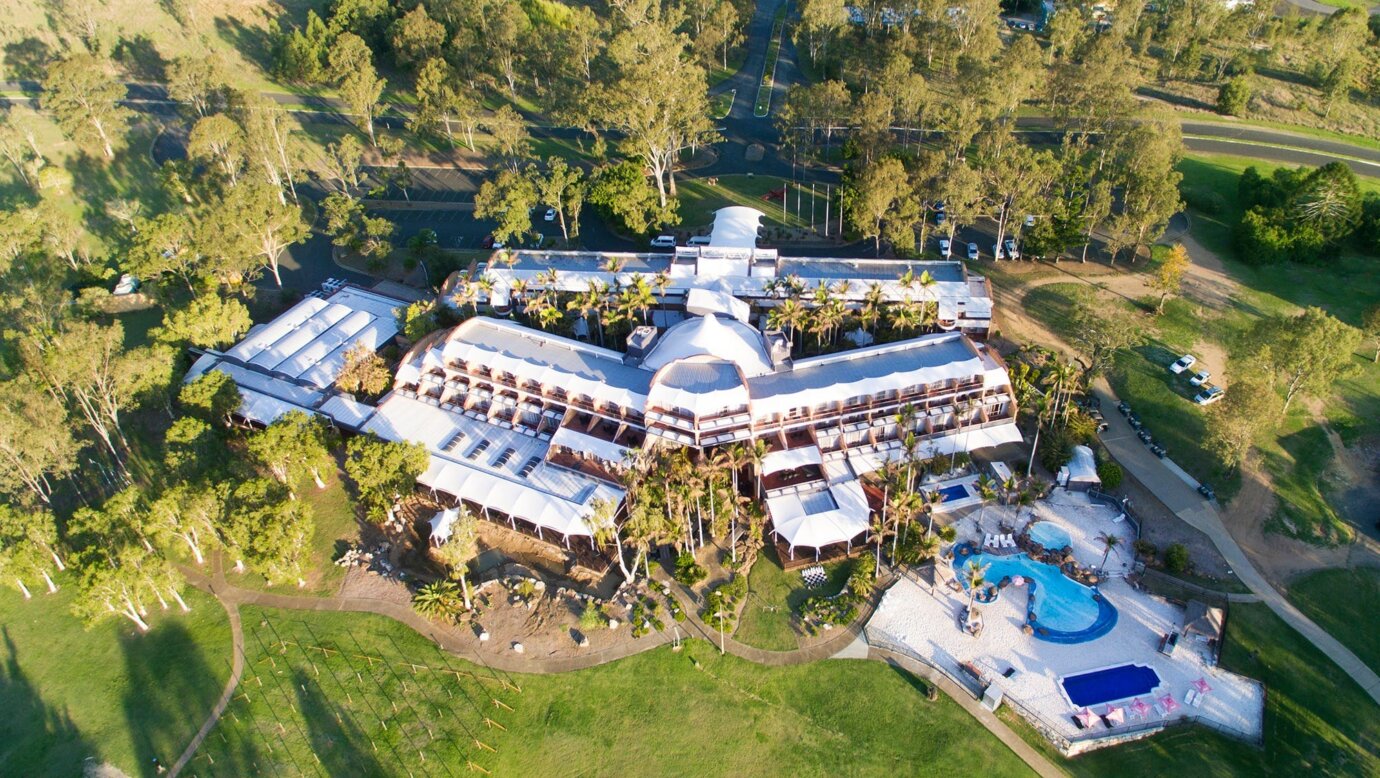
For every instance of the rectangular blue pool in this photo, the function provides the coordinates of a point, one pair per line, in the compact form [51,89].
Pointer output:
[955,492]
[1113,683]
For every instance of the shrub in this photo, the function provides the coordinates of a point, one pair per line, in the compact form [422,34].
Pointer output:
[1234,96]
[688,571]
[1176,558]
[1110,474]
[1145,549]
[947,534]
[593,618]
[1055,450]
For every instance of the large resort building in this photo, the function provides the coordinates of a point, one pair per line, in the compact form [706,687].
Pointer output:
[534,429]
[731,263]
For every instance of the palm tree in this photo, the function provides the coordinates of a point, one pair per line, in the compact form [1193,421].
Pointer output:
[601,521]
[986,493]
[789,315]
[461,549]
[973,576]
[1061,378]
[1109,543]
[756,452]
[927,283]
[734,457]
[871,311]
[906,315]
[932,502]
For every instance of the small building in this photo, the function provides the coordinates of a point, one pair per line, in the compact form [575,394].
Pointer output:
[1080,474]
[1204,623]
[291,363]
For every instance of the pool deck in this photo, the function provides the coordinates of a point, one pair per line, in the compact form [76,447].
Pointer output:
[1081,518]
[927,623]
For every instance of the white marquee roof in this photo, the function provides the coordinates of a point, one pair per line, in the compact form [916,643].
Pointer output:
[735,227]
[717,337]
[821,518]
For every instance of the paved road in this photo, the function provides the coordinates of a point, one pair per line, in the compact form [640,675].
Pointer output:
[1203,515]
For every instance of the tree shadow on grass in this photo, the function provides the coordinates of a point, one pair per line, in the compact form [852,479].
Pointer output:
[170,690]
[338,743]
[35,739]
[28,59]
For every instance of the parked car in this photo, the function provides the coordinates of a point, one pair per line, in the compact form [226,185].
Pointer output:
[1011,250]
[972,251]
[1209,395]
[945,247]
[996,251]
[550,215]
[698,240]
[1183,363]
[1030,220]
[490,243]
[1207,491]
[1199,378]
[1144,436]
[940,217]
[1124,408]
[664,242]
[1159,451]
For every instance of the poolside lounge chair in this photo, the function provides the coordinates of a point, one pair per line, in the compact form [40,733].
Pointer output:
[1194,698]
[1008,540]
[989,541]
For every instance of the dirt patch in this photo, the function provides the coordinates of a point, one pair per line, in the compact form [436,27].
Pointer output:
[1160,526]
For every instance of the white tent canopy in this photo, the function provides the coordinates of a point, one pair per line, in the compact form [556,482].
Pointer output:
[790,459]
[818,519]
[441,525]
[735,227]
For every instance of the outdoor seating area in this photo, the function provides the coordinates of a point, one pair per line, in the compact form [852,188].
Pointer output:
[1000,543]
[814,576]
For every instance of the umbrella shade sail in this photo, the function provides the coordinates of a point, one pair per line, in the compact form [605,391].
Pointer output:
[441,525]
[1202,686]
[1139,708]
[1167,702]
[1086,717]
[1116,715]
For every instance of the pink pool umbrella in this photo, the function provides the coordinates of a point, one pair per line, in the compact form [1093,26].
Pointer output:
[1202,686]
[1018,580]
[1139,709]
[1116,715]
[1168,704]
[1085,717]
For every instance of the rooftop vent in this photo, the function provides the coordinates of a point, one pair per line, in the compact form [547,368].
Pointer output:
[779,347]
[639,343]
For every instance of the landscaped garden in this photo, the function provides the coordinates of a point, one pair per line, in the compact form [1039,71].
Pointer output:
[107,693]
[774,599]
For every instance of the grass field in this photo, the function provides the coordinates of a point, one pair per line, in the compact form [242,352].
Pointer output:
[699,200]
[1343,603]
[68,693]
[773,597]
[660,712]
[1317,721]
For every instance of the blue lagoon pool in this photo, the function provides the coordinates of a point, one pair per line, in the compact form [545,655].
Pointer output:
[1060,609]
[1110,684]
[1049,534]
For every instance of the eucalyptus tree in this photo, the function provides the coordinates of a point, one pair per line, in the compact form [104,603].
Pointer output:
[352,67]
[190,514]
[28,547]
[383,471]
[268,532]
[36,441]
[562,188]
[84,98]
[294,445]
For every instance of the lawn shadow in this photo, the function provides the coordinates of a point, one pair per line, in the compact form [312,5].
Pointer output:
[253,43]
[28,59]
[32,732]
[171,689]
[335,740]
[141,58]
[920,685]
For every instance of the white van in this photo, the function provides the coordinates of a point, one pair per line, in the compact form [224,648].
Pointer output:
[698,240]
[664,242]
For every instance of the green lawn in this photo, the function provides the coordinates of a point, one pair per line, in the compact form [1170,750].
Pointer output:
[774,595]
[1343,603]
[699,200]
[660,712]
[68,693]
[1317,721]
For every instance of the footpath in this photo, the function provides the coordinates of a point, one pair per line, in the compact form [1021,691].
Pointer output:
[1203,515]
[848,644]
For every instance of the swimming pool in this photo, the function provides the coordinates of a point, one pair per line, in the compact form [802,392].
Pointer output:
[954,493]
[1049,534]
[1110,684]
[1060,609]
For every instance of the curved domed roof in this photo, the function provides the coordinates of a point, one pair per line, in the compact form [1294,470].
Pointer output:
[715,337]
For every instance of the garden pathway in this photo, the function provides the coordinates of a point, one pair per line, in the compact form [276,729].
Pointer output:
[232,597]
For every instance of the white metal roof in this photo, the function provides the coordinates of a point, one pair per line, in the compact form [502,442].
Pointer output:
[717,337]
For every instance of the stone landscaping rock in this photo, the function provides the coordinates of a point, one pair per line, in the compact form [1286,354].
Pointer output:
[613,623]
[518,648]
